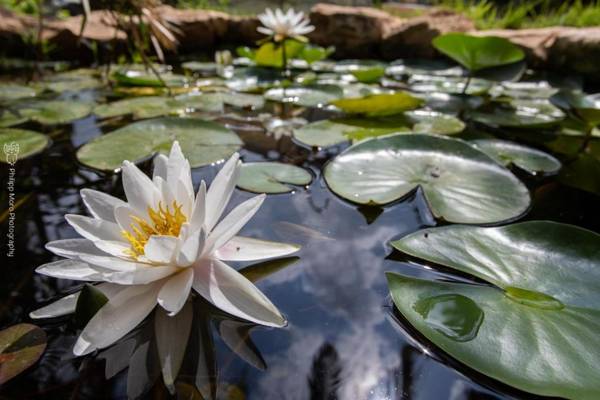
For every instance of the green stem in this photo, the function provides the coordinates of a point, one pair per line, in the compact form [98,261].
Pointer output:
[284,56]
[464,91]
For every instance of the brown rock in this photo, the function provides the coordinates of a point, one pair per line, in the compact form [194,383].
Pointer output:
[412,37]
[354,31]
[242,31]
[196,30]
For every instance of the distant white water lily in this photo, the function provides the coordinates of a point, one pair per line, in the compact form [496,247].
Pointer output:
[280,26]
[158,246]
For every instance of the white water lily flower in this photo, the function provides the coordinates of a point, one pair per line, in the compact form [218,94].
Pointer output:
[281,26]
[158,246]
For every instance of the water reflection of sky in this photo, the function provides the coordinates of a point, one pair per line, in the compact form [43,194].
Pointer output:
[342,341]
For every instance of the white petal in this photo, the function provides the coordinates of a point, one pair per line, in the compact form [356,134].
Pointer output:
[124,217]
[94,229]
[101,205]
[220,191]
[230,291]
[139,189]
[139,276]
[233,222]
[191,249]
[71,269]
[178,170]
[161,249]
[61,307]
[176,290]
[248,249]
[199,213]
[114,248]
[160,166]
[73,248]
[265,31]
[116,318]
[172,334]
[112,263]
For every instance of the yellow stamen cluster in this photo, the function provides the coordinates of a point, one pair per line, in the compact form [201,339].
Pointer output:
[165,221]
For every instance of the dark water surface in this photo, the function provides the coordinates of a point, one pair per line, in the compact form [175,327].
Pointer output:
[343,341]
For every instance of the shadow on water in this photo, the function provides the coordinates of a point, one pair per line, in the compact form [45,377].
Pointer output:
[343,341]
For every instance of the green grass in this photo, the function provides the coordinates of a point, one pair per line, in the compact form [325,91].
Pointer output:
[529,14]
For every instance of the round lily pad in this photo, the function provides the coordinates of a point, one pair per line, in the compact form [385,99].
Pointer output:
[139,107]
[11,117]
[508,153]
[54,112]
[141,77]
[19,143]
[306,96]
[271,177]
[331,132]
[202,142]
[477,53]
[460,183]
[521,114]
[587,107]
[379,104]
[448,84]
[534,325]
[423,66]
[200,67]
[11,92]
[427,121]
[20,347]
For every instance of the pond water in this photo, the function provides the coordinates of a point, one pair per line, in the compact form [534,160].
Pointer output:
[344,339]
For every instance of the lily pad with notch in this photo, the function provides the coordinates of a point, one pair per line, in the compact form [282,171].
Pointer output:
[272,177]
[460,183]
[533,324]
[202,142]
[521,113]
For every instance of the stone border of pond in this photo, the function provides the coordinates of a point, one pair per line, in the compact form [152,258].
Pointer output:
[356,32]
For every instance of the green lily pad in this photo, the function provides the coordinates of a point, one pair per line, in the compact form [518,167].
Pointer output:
[460,183]
[20,347]
[379,104]
[423,67]
[369,74]
[73,81]
[477,53]
[142,77]
[11,118]
[347,66]
[508,153]
[587,107]
[54,112]
[448,84]
[12,92]
[426,121]
[18,144]
[271,54]
[331,132]
[139,107]
[271,177]
[312,54]
[200,67]
[534,326]
[524,90]
[253,79]
[202,142]
[306,96]
[521,113]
